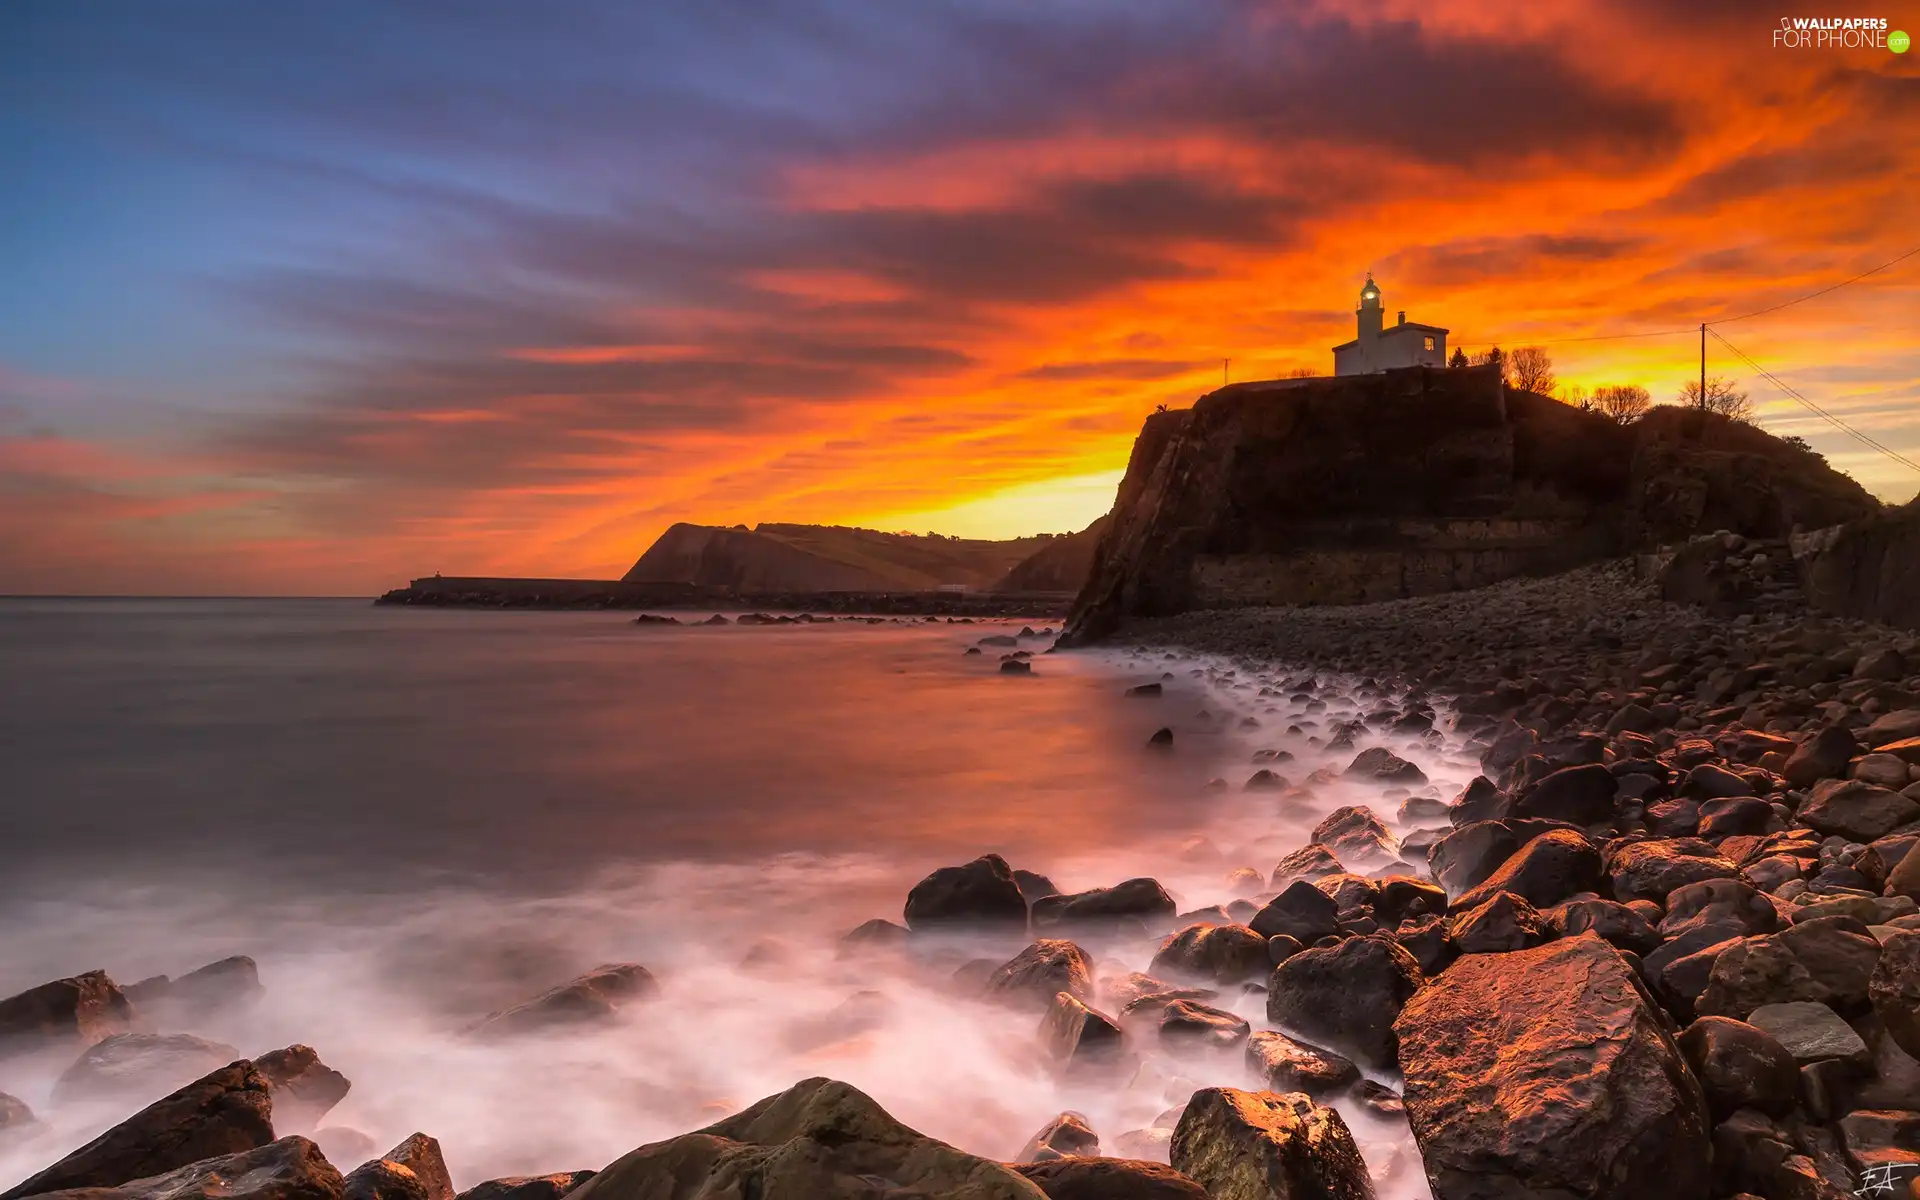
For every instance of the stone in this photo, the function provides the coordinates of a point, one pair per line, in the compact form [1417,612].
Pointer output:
[290,1169]
[1030,978]
[229,1111]
[1751,1152]
[1811,1032]
[63,1017]
[599,995]
[1345,996]
[1882,770]
[819,1139]
[1356,836]
[1103,908]
[1754,972]
[1609,919]
[528,1187]
[1190,1024]
[1223,954]
[1734,815]
[1080,1038]
[1715,909]
[1286,1065]
[1377,764]
[15,1117]
[1302,911]
[1825,755]
[1034,886]
[1265,1146]
[1740,1066]
[1894,990]
[1504,923]
[1650,870]
[217,989]
[1893,727]
[1710,781]
[1857,811]
[1067,1135]
[1553,867]
[304,1088]
[1402,896]
[343,1143]
[1581,795]
[1466,857]
[139,1067]
[413,1170]
[1883,1141]
[878,936]
[1839,952]
[1546,1072]
[981,894]
[1310,861]
[1111,1179]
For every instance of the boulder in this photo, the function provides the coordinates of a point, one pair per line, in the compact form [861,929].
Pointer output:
[1823,756]
[1882,1145]
[1466,857]
[1356,836]
[820,1139]
[1100,909]
[1402,896]
[1345,996]
[1377,764]
[1310,861]
[1825,960]
[1735,815]
[1189,1024]
[1067,1135]
[1856,810]
[1111,1179]
[1032,977]
[1740,1066]
[1811,1032]
[139,1066]
[290,1169]
[1710,781]
[1609,919]
[15,1117]
[528,1187]
[1504,923]
[413,1170]
[1224,954]
[1286,1065]
[878,936]
[1894,990]
[981,894]
[1080,1038]
[1266,1146]
[1882,770]
[1755,1157]
[304,1088]
[1302,912]
[63,1017]
[217,989]
[227,1112]
[1553,867]
[1581,795]
[1546,1072]
[1650,870]
[1034,886]
[599,995]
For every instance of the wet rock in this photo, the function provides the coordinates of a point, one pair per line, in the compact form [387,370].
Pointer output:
[1161,737]
[1346,996]
[1716,909]
[1882,770]
[1403,896]
[1142,691]
[227,1112]
[1191,1024]
[819,1138]
[1377,764]
[1735,815]
[1882,1144]
[1609,919]
[1504,923]
[1356,836]
[1894,990]
[869,937]
[1426,939]
[290,1169]
[304,1089]
[139,1066]
[599,995]
[1650,870]
[1015,666]
[1066,1136]
[1286,1065]
[1552,867]
[1031,977]
[413,1170]
[1081,1039]
[1224,954]
[1302,912]
[1709,782]
[1811,1033]
[1464,859]
[528,1187]
[1740,1066]
[1823,756]
[1103,908]
[217,989]
[1034,886]
[1751,1154]
[1111,1179]
[15,1116]
[1311,861]
[1546,1072]
[980,894]
[63,1017]
[1857,811]
[1581,795]
[1261,1146]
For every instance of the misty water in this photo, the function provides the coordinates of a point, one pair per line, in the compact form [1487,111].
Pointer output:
[411,819]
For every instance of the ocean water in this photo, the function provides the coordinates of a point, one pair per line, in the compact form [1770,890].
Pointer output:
[411,819]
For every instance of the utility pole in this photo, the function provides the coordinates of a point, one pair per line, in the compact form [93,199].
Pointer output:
[1702,398]
[1223,371]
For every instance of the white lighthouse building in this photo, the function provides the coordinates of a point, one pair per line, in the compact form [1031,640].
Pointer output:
[1376,348]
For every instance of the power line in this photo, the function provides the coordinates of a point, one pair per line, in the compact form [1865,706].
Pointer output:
[1831,419]
[1823,291]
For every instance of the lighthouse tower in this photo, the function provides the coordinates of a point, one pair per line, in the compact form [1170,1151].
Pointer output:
[1378,346]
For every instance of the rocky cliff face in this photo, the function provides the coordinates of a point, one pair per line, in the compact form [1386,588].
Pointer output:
[1061,565]
[1867,568]
[1418,481]
[824,558]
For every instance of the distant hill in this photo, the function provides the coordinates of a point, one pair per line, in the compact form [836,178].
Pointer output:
[1060,565]
[830,558]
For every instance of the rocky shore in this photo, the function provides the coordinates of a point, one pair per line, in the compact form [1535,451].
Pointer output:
[1644,924]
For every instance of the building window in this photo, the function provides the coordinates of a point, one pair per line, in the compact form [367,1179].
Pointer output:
[1429,341]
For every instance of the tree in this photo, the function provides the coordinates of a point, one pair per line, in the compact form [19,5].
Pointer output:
[1301,373]
[1722,397]
[1492,357]
[1576,396]
[1459,358]
[1622,403]
[1530,369]
[1798,443]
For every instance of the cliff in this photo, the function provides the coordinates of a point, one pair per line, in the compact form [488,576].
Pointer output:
[1869,568]
[1061,565]
[1416,481]
[824,558]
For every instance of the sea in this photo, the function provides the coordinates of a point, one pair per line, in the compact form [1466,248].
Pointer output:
[409,819]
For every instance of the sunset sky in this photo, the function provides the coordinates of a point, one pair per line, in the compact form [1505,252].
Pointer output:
[314,298]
